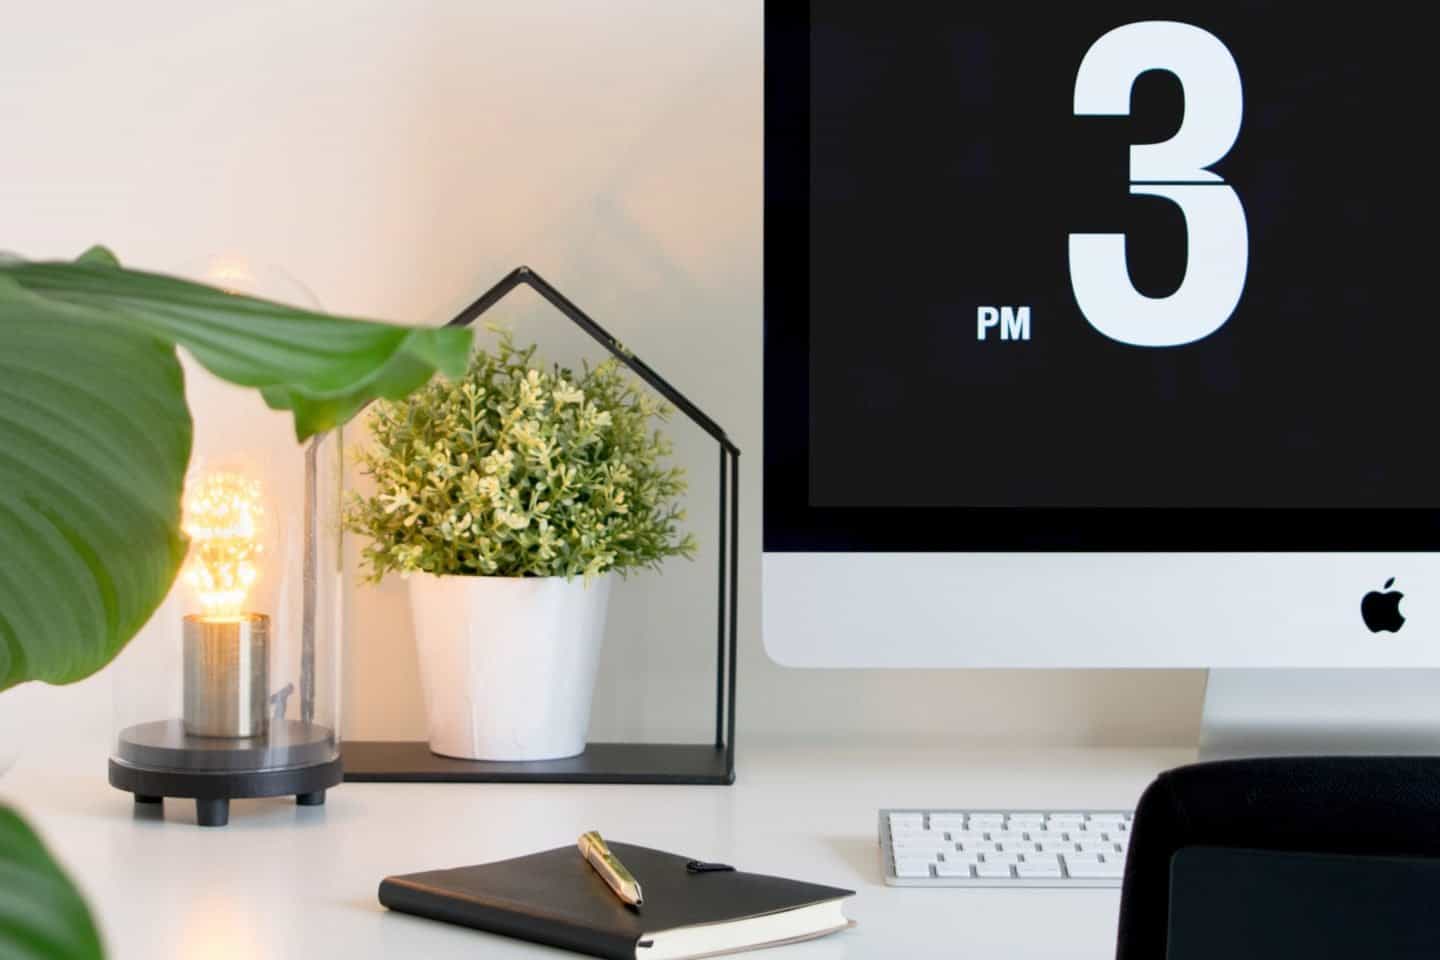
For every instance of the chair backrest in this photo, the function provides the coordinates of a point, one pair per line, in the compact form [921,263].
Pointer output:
[1268,904]
[1353,806]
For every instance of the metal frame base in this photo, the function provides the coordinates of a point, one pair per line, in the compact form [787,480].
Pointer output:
[387,761]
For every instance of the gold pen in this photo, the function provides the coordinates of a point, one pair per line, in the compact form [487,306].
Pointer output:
[611,870]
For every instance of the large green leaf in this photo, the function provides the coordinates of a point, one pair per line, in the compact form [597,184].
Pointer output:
[94,440]
[41,913]
[322,367]
[95,435]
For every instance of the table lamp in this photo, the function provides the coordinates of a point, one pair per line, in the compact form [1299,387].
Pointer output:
[232,689]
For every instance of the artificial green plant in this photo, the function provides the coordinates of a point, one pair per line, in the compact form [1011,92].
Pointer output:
[516,470]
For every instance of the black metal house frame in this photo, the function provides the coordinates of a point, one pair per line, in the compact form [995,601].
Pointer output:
[679,763]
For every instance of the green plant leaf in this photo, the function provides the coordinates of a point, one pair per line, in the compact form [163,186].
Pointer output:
[321,367]
[94,440]
[95,435]
[42,915]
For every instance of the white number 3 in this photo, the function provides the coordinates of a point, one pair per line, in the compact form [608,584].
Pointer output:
[1175,170]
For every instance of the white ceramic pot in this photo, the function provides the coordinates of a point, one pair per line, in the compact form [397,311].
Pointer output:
[508,663]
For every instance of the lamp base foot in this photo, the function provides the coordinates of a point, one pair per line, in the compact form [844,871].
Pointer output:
[212,811]
[315,799]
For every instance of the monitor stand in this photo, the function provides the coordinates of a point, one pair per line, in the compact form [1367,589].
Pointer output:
[1283,712]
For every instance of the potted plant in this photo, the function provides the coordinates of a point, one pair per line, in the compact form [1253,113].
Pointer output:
[509,497]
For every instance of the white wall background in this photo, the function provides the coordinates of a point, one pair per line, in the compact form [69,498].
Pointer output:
[398,158]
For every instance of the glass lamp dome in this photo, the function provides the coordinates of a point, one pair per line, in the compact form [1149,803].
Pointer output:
[232,688]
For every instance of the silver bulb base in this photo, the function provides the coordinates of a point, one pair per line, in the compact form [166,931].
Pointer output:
[227,675]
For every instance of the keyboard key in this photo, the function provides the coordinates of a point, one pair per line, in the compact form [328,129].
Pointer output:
[999,857]
[1037,871]
[961,857]
[1020,848]
[906,851]
[993,870]
[1056,846]
[1094,869]
[953,870]
[1009,836]
[908,826]
[1041,858]
[930,856]
[912,868]
[922,843]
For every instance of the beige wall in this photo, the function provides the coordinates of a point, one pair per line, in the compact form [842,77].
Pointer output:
[397,158]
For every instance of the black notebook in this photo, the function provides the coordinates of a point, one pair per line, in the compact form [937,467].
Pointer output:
[556,898]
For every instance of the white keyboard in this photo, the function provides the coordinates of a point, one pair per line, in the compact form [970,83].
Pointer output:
[1004,848]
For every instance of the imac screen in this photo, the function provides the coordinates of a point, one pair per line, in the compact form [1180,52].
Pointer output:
[1118,257]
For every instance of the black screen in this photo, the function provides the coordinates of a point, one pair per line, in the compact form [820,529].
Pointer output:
[930,167]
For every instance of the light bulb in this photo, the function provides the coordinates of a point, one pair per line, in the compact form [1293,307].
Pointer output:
[222,517]
[226,646]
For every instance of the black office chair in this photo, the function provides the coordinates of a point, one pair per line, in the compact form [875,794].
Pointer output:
[1288,857]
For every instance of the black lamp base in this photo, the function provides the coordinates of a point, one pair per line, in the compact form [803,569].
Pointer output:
[213,791]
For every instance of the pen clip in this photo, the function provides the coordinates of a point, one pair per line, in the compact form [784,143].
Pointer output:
[700,866]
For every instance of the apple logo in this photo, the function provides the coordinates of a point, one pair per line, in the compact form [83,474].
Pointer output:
[1381,611]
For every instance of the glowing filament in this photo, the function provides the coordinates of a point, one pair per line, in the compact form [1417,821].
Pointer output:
[222,519]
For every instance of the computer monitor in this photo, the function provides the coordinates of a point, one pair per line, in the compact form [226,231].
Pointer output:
[1099,338]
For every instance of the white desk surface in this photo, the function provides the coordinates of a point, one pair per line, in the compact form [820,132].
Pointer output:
[283,881]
